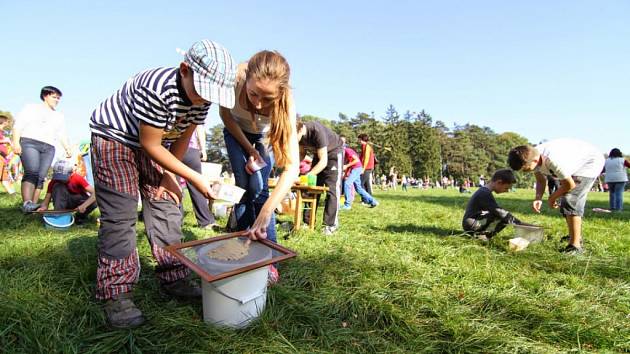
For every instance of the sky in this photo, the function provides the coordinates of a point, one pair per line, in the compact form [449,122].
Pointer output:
[542,69]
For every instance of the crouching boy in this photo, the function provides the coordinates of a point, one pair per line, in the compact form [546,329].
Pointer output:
[484,218]
[69,190]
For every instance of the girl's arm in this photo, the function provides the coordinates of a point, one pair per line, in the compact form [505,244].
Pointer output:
[284,184]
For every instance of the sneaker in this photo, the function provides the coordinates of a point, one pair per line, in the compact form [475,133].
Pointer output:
[181,288]
[121,312]
[374,204]
[572,250]
[273,277]
[29,207]
[329,230]
[345,207]
[213,227]
[567,238]
[483,238]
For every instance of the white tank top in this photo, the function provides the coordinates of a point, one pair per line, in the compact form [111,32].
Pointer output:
[248,121]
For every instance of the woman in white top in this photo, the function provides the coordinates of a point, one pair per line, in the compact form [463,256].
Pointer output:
[616,178]
[263,117]
[36,130]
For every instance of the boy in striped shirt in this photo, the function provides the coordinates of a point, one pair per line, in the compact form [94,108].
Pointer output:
[139,136]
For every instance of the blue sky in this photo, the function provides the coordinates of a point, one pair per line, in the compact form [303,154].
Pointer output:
[543,69]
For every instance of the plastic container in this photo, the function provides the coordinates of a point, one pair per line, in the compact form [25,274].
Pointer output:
[531,233]
[238,300]
[219,210]
[304,180]
[312,180]
[255,165]
[58,221]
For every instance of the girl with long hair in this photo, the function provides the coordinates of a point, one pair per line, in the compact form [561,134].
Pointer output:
[260,131]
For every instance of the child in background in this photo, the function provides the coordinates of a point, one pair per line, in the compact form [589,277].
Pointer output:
[69,190]
[576,165]
[484,218]
[5,151]
[354,168]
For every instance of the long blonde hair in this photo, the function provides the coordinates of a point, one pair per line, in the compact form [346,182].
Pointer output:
[272,66]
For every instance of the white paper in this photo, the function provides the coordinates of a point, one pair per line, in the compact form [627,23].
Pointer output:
[211,171]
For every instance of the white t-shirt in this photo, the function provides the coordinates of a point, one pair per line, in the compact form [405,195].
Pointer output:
[563,158]
[38,122]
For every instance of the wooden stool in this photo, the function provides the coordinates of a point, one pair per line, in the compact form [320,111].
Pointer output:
[302,201]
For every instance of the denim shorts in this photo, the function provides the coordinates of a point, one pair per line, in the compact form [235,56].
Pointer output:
[573,202]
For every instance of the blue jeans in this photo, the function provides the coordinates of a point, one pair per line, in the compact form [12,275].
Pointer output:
[255,185]
[36,158]
[354,179]
[615,195]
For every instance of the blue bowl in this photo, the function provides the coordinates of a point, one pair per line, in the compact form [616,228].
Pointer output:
[58,221]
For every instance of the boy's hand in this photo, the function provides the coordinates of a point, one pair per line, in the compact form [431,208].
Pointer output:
[553,203]
[81,208]
[169,185]
[208,190]
[536,205]
[42,208]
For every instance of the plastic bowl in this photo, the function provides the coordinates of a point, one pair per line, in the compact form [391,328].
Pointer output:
[58,221]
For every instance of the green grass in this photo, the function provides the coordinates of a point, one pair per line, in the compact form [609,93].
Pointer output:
[396,278]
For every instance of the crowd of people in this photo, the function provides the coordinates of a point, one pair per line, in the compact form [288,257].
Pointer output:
[147,139]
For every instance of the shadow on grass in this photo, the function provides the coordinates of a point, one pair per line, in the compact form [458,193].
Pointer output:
[419,229]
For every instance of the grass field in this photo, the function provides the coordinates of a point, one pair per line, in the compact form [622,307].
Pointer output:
[396,278]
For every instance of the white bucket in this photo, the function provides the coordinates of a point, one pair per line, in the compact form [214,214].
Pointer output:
[237,300]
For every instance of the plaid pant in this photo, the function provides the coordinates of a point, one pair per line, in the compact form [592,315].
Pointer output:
[122,175]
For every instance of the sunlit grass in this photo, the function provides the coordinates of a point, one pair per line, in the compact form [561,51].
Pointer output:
[396,278]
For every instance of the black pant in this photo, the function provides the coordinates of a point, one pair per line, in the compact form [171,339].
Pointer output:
[485,224]
[331,178]
[366,181]
[201,205]
[62,199]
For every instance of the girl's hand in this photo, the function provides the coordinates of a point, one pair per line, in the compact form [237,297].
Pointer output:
[258,230]
[169,185]
[254,155]
[17,148]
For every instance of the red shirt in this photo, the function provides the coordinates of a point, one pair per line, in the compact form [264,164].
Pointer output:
[76,184]
[350,155]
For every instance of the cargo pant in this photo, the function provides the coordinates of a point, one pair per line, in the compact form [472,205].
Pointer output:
[123,174]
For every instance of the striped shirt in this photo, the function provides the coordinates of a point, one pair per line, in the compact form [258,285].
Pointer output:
[155,97]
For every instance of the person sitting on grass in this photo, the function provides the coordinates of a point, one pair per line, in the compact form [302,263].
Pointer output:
[484,218]
[69,190]
[576,164]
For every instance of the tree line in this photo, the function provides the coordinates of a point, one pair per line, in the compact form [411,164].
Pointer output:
[415,145]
